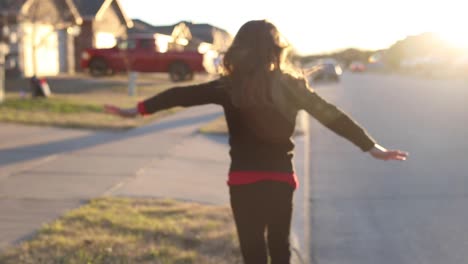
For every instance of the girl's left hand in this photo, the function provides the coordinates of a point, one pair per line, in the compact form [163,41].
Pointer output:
[127,112]
[382,153]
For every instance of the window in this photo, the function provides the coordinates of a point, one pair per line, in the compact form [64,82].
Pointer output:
[146,43]
[128,44]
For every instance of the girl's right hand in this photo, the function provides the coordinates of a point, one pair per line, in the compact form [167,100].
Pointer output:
[308,72]
[122,112]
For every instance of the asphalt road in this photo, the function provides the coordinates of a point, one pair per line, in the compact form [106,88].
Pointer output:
[365,211]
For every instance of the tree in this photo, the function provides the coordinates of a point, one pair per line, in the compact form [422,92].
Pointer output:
[425,45]
[345,56]
[4,39]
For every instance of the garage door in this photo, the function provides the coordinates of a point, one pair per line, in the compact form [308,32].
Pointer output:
[45,57]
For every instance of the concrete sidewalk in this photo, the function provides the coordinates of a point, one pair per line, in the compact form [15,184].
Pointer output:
[46,171]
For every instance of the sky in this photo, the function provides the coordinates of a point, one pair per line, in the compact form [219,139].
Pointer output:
[313,26]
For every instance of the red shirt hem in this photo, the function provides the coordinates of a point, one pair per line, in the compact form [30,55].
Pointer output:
[248,177]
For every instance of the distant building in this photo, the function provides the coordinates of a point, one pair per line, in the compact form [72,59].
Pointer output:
[39,34]
[104,21]
[219,38]
[179,35]
[204,38]
[47,37]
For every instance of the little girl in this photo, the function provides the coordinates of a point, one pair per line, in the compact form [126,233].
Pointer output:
[261,97]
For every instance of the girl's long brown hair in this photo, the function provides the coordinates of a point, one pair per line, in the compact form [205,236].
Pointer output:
[257,52]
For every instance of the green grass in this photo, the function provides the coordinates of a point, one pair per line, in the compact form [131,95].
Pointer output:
[77,103]
[75,111]
[121,230]
[53,105]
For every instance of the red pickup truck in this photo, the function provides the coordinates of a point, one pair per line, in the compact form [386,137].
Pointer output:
[143,54]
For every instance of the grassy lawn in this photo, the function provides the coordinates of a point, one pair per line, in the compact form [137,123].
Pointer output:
[76,111]
[121,230]
[78,103]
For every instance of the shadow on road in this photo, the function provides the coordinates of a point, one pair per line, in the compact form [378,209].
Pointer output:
[222,139]
[21,154]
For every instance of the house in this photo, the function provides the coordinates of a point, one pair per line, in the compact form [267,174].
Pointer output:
[202,37]
[104,22]
[178,37]
[40,35]
[219,38]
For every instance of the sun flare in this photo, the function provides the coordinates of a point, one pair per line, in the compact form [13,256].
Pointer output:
[457,39]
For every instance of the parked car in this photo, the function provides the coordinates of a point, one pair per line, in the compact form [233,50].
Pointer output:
[145,53]
[357,66]
[328,70]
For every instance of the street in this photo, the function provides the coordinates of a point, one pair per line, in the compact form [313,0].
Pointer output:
[365,211]
[362,211]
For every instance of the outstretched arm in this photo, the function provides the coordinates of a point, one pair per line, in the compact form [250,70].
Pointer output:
[343,125]
[205,93]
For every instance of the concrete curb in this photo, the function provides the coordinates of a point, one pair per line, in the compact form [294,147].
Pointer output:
[300,228]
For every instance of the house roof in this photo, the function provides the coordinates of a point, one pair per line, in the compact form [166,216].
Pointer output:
[204,31]
[140,26]
[199,32]
[14,8]
[92,9]
[164,29]
[10,9]
[88,8]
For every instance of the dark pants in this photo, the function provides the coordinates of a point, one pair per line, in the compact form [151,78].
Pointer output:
[259,207]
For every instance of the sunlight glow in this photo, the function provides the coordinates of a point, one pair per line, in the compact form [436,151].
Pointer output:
[105,40]
[459,40]
[162,42]
[182,41]
[322,26]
